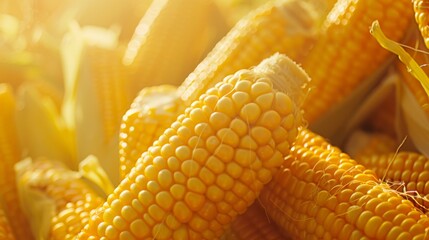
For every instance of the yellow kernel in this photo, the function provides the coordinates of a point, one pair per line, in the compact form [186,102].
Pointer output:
[190,168]
[164,200]
[225,88]
[264,175]
[270,120]
[225,152]
[203,130]
[219,120]
[182,212]
[206,176]
[210,101]
[239,127]
[179,177]
[275,161]
[240,99]
[161,231]
[197,115]
[372,226]
[101,228]
[198,224]
[146,197]
[200,155]
[165,178]
[260,88]
[243,85]
[125,235]
[177,191]
[225,181]
[119,223]
[244,157]
[265,152]
[184,133]
[250,113]
[136,204]
[156,212]
[234,169]
[173,163]
[159,162]
[364,217]
[111,232]
[248,143]
[181,233]
[353,214]
[215,164]
[139,228]
[214,193]
[282,103]
[172,222]
[183,153]
[128,213]
[194,200]
[196,185]
[265,101]
[150,172]
[240,189]
[195,142]
[228,136]
[153,187]
[212,143]
[208,211]
[226,105]
[261,135]
[108,215]
[167,151]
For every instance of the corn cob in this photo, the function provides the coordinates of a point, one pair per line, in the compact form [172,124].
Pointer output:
[10,153]
[71,196]
[153,111]
[211,164]
[337,71]
[254,224]
[5,229]
[321,193]
[405,171]
[286,26]
[362,144]
[421,11]
[171,39]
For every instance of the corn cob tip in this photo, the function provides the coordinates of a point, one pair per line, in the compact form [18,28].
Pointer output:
[286,75]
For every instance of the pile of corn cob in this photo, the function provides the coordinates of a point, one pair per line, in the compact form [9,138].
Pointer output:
[214,119]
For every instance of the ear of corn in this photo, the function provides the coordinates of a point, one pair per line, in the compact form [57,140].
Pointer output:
[96,94]
[421,13]
[320,193]
[279,26]
[171,39]
[405,172]
[5,228]
[50,191]
[211,164]
[153,111]
[337,71]
[10,153]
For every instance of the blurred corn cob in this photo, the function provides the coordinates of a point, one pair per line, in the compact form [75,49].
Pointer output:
[337,71]
[421,13]
[287,27]
[171,38]
[10,153]
[185,185]
[97,94]
[322,193]
[153,111]
[57,200]
[362,143]
[5,228]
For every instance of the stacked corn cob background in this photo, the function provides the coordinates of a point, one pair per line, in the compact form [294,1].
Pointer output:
[214,119]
